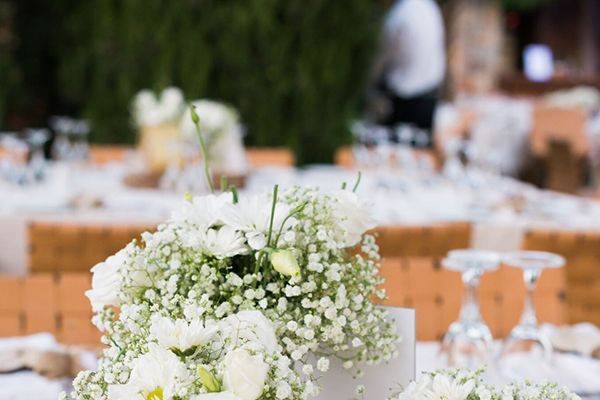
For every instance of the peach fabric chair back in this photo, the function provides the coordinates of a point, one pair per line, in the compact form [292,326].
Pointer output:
[411,264]
[343,157]
[559,138]
[58,246]
[580,278]
[559,124]
[270,156]
[103,154]
[48,302]
[414,278]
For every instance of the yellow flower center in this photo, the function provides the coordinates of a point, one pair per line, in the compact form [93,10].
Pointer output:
[156,394]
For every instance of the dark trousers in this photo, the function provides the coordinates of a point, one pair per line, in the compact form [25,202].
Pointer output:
[417,111]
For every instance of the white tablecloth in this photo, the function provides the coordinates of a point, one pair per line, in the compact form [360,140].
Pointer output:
[578,373]
[409,197]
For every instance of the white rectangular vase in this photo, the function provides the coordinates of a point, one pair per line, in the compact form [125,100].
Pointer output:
[380,381]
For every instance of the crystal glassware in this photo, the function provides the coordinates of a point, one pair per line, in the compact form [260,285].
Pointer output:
[36,139]
[468,341]
[526,336]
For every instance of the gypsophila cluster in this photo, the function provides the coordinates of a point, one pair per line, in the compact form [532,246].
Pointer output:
[459,384]
[299,263]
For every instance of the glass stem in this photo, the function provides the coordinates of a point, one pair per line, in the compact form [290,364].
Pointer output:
[528,317]
[470,306]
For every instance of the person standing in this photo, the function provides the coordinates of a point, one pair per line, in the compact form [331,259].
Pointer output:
[410,68]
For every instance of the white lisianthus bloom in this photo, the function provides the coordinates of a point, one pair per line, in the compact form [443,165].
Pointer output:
[445,388]
[352,216]
[158,371]
[223,242]
[244,374]
[252,215]
[180,334]
[106,282]
[285,263]
[252,326]
[202,212]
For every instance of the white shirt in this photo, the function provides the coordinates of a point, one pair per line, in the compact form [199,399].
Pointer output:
[414,48]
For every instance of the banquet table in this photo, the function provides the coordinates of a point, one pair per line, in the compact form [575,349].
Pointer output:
[499,209]
[577,373]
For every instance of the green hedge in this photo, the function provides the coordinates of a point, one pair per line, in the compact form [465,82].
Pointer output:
[295,69]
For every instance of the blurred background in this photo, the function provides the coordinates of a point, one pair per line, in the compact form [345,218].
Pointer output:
[475,124]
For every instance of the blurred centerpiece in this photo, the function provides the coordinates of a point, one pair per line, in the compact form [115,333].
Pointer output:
[169,146]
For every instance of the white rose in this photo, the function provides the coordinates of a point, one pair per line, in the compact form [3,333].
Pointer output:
[106,282]
[250,326]
[180,334]
[353,217]
[244,375]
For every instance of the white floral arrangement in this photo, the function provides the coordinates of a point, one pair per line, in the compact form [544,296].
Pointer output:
[223,134]
[148,109]
[467,385]
[297,269]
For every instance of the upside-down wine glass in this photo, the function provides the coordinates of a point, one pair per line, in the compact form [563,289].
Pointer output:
[468,341]
[526,336]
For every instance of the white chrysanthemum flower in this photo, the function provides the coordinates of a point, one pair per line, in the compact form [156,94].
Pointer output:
[416,389]
[223,242]
[244,374]
[252,215]
[180,334]
[106,281]
[352,216]
[250,326]
[202,212]
[159,371]
[446,388]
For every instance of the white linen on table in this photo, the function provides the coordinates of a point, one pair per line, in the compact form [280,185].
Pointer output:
[580,374]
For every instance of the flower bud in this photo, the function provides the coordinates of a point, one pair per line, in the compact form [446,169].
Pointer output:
[208,380]
[285,263]
[195,117]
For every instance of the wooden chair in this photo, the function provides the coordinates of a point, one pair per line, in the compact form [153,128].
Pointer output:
[344,158]
[48,302]
[58,246]
[579,295]
[104,154]
[265,157]
[559,138]
[414,278]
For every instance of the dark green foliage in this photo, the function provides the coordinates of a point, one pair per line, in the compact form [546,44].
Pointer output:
[295,69]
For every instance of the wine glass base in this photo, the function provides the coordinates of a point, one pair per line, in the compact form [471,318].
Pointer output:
[529,340]
[467,344]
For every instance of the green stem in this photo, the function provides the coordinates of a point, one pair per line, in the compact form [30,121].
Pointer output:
[357,181]
[275,190]
[291,214]
[203,148]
